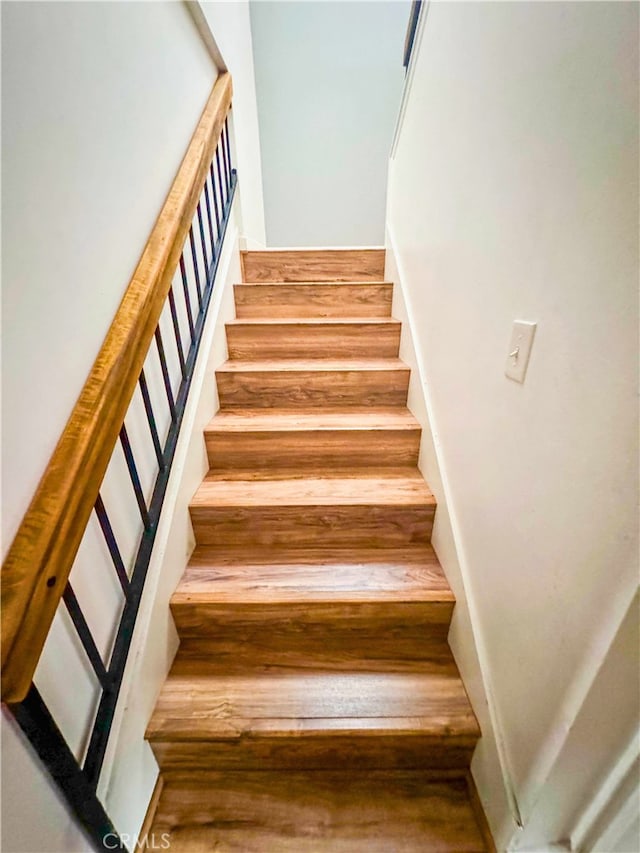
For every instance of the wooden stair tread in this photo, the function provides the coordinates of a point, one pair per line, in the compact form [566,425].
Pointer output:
[198,703]
[249,439]
[360,487]
[325,573]
[313,576]
[301,508]
[343,811]
[348,609]
[310,364]
[355,418]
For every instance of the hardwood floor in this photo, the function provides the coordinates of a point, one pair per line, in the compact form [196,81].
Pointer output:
[314,704]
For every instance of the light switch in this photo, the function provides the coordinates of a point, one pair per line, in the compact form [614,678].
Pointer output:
[519,349]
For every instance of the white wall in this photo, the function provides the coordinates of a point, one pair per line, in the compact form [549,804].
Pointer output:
[99,102]
[513,194]
[328,78]
[230,27]
[36,819]
[486,762]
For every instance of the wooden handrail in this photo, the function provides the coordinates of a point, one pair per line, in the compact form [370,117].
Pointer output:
[39,561]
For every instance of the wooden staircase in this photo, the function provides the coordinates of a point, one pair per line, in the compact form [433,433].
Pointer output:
[314,704]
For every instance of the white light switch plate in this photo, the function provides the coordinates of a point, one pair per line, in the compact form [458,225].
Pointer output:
[519,349]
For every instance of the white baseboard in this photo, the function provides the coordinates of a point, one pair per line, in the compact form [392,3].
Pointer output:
[490,768]
[248,244]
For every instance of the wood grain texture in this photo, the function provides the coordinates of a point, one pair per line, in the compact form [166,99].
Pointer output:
[37,566]
[314,679]
[313,575]
[313,265]
[269,526]
[247,440]
[198,702]
[284,648]
[340,646]
[313,383]
[318,812]
[319,300]
[290,487]
[250,340]
[392,509]
[311,719]
[373,750]
[333,607]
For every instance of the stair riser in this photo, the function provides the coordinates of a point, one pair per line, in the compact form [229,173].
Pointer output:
[324,751]
[320,647]
[313,265]
[343,340]
[312,389]
[334,448]
[197,618]
[336,632]
[374,526]
[315,647]
[312,300]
